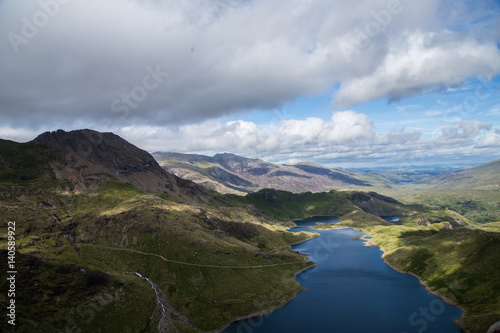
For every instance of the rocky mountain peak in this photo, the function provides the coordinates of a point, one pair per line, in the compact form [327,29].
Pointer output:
[82,154]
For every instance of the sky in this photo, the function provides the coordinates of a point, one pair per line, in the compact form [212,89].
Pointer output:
[341,83]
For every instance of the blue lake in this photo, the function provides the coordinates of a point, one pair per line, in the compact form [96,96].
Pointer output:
[353,290]
[311,221]
[392,218]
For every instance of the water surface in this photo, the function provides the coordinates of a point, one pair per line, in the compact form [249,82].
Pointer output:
[353,290]
[311,221]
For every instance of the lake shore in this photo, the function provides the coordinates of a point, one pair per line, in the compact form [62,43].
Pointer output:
[459,321]
[371,242]
[368,241]
[270,310]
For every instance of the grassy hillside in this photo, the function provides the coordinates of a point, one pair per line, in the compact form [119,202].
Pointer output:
[482,177]
[209,263]
[474,192]
[91,210]
[453,257]
[88,221]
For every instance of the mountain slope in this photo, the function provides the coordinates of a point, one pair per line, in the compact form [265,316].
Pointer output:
[474,192]
[482,177]
[81,155]
[85,201]
[89,219]
[229,173]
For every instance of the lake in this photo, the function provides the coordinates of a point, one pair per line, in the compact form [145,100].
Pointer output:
[353,290]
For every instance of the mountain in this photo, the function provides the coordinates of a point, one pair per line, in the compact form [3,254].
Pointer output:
[105,239]
[482,177]
[90,210]
[229,173]
[473,192]
[83,157]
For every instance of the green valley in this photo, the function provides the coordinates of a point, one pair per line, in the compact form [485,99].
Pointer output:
[92,210]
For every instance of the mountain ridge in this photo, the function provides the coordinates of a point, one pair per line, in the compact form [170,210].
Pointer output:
[230,173]
[484,176]
[84,156]
[92,203]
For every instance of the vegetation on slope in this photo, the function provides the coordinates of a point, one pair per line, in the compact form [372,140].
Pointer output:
[213,265]
[229,173]
[85,225]
[452,256]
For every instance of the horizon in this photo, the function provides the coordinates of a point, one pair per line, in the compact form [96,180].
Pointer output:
[414,167]
[461,166]
[376,83]
[409,166]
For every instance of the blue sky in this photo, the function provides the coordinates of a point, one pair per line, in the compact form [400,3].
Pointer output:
[341,83]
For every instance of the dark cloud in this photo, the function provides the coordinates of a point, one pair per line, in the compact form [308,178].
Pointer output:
[70,60]
[139,67]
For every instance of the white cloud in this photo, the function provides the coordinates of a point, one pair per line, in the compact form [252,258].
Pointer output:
[347,126]
[355,142]
[466,129]
[225,56]
[489,140]
[348,137]
[418,61]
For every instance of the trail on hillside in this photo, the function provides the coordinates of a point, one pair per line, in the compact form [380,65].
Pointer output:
[187,263]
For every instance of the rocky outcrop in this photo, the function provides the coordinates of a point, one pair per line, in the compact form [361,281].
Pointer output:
[83,154]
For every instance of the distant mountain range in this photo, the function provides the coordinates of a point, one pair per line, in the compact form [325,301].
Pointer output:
[482,177]
[229,173]
[95,216]
[473,192]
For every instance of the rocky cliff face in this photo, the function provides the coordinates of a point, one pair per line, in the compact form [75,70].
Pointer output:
[83,155]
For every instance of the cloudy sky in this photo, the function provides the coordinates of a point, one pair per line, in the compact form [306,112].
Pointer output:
[337,82]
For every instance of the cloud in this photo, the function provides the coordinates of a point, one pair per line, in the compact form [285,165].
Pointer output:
[466,129]
[346,134]
[163,73]
[348,138]
[92,61]
[345,127]
[489,140]
[419,61]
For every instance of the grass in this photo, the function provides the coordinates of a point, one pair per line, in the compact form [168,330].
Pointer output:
[55,294]
[67,228]
[21,162]
[479,206]
[460,264]
[114,228]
